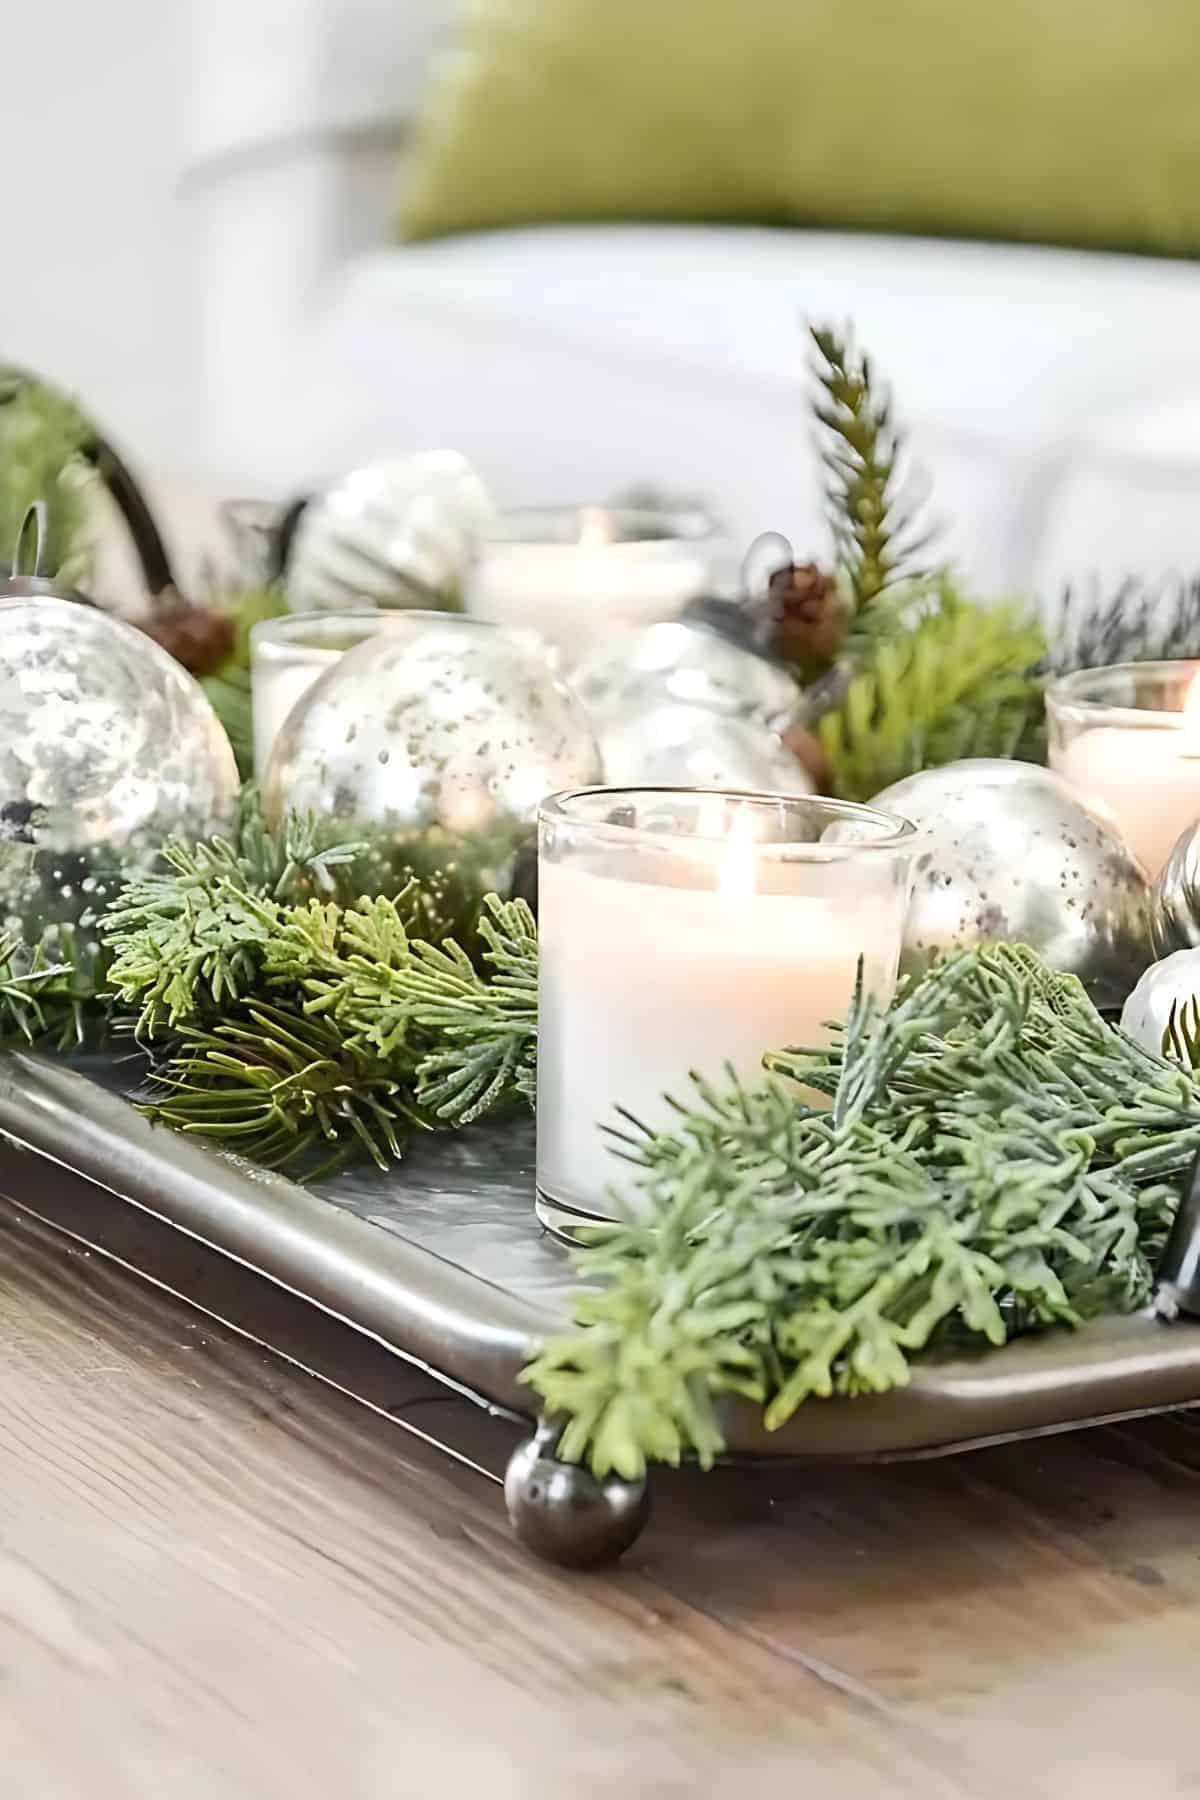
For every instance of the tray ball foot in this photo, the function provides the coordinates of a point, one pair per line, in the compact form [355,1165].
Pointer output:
[563,1514]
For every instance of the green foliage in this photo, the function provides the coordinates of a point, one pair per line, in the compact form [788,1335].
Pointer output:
[480,1036]
[1181,1039]
[1136,621]
[190,937]
[287,1019]
[45,989]
[875,541]
[997,1160]
[41,436]
[961,681]
[228,687]
[277,1086]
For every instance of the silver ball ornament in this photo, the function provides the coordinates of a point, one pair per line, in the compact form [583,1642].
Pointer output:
[107,746]
[1165,987]
[396,533]
[670,745]
[565,1514]
[687,665]
[1009,853]
[435,741]
[1175,898]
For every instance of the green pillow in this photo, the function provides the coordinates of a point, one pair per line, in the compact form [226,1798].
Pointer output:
[1063,121]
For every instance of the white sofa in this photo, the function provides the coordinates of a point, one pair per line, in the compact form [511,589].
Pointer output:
[204,220]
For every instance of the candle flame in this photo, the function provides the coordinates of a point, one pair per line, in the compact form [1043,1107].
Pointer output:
[736,877]
[595,528]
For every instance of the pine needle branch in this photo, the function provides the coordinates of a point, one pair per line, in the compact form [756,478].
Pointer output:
[875,541]
[46,989]
[278,1087]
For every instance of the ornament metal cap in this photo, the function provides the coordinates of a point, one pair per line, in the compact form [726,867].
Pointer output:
[1178,1285]
[19,585]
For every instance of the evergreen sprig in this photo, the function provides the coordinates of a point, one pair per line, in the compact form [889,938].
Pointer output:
[190,937]
[997,1159]
[46,989]
[277,1086]
[284,1018]
[961,681]
[876,540]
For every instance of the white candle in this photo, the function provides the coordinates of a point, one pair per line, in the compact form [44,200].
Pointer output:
[644,980]
[1147,780]
[583,579]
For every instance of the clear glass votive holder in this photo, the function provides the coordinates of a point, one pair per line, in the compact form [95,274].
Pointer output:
[576,574]
[289,653]
[685,929]
[1127,738]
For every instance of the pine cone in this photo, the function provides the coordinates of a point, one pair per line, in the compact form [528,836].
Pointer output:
[199,637]
[808,615]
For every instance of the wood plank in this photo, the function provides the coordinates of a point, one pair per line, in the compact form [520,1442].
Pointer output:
[220,1578]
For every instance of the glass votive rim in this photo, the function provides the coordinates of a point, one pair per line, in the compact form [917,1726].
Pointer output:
[624,526]
[869,832]
[305,630]
[1120,694]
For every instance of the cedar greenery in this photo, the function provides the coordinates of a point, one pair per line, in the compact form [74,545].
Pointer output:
[997,1159]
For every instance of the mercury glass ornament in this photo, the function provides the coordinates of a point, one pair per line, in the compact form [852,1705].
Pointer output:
[1010,854]
[434,741]
[392,534]
[1166,988]
[688,665]
[690,746]
[107,747]
[1175,899]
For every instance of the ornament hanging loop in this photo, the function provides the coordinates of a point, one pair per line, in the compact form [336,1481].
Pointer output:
[769,553]
[33,525]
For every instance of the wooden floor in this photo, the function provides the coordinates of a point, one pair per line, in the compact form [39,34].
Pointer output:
[219,1578]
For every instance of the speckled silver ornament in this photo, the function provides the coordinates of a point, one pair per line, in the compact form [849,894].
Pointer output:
[1166,985]
[1175,897]
[435,740]
[1010,854]
[669,745]
[393,534]
[687,665]
[106,747]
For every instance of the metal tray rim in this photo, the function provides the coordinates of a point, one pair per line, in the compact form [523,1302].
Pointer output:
[473,1334]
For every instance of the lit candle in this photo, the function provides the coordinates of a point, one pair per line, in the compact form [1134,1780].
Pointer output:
[1128,741]
[683,931]
[576,576]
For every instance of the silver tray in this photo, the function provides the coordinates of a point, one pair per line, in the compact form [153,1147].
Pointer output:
[442,1262]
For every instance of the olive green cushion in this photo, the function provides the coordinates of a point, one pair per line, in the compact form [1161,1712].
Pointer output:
[1063,121]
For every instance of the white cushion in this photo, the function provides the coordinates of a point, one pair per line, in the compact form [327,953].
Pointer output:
[569,362]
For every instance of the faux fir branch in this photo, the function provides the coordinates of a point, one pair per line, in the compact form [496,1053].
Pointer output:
[45,989]
[998,1159]
[876,542]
